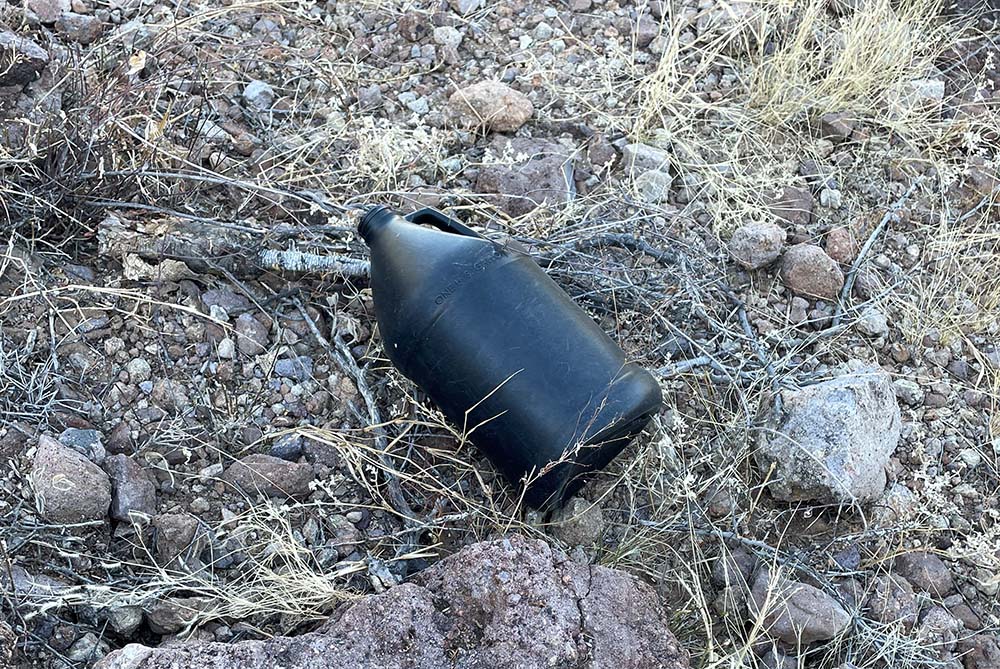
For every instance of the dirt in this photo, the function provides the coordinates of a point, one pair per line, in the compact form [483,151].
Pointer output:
[148,165]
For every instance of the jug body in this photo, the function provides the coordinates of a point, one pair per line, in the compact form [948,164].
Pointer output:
[507,356]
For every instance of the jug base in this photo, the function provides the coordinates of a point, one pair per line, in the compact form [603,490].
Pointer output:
[551,490]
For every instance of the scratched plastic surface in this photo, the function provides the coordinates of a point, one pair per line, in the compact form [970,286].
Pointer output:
[504,352]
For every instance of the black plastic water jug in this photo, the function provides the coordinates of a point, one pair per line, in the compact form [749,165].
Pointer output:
[504,352]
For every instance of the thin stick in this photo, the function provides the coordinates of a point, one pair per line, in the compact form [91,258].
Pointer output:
[891,214]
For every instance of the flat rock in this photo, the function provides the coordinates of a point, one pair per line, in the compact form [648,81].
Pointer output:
[270,476]
[808,270]
[793,205]
[492,105]
[578,522]
[82,28]
[833,440]
[68,487]
[756,245]
[21,59]
[926,572]
[795,613]
[514,602]
[132,490]
[528,173]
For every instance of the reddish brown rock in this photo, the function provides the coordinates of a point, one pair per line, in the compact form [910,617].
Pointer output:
[270,476]
[807,270]
[514,602]
[841,245]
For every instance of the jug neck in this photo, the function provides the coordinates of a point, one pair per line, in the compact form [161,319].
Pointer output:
[376,219]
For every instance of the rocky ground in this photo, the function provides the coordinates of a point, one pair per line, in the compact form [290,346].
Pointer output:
[787,211]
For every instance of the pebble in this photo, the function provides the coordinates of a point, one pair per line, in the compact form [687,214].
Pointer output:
[138,370]
[259,95]
[908,391]
[448,36]
[272,477]
[88,443]
[578,523]
[227,349]
[23,59]
[251,335]
[926,572]
[299,368]
[873,323]
[132,490]
[756,245]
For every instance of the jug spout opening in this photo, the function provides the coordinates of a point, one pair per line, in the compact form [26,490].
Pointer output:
[372,221]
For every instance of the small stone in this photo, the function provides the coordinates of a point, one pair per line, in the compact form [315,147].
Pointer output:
[939,630]
[892,601]
[639,158]
[836,126]
[355,516]
[21,59]
[226,299]
[175,614]
[464,7]
[915,96]
[654,186]
[85,442]
[287,447]
[578,523]
[794,205]
[807,270]
[227,349]
[491,104]
[259,95]
[645,30]
[756,245]
[448,36]
[79,27]
[138,370]
[580,5]
[174,535]
[831,198]
[926,572]
[981,651]
[132,490]
[908,391]
[124,620]
[841,245]
[798,311]
[795,613]
[251,335]
[970,457]
[270,476]
[88,648]
[68,487]
[169,395]
[896,505]
[873,323]
[344,537]
[413,102]
[299,368]
[370,97]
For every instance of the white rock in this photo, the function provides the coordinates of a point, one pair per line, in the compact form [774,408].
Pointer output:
[447,36]
[832,441]
[873,323]
[259,94]
[227,349]
[654,186]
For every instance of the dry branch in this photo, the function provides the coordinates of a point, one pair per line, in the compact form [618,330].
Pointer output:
[214,249]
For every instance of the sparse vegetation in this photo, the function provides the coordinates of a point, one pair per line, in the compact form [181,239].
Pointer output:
[869,129]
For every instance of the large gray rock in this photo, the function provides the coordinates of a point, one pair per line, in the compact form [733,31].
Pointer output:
[68,487]
[509,603]
[795,613]
[832,440]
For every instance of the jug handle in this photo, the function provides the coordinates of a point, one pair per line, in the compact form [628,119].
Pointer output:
[430,215]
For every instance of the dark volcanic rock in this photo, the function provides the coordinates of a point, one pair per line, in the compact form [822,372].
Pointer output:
[509,603]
